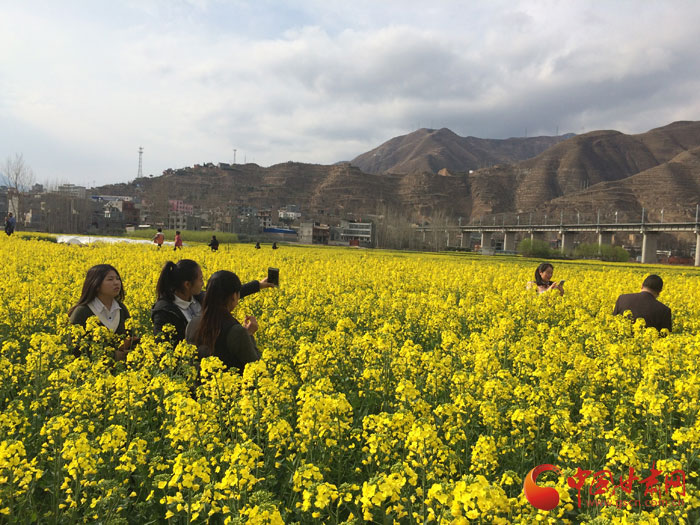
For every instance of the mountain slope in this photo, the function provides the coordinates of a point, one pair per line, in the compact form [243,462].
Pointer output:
[433,150]
[598,170]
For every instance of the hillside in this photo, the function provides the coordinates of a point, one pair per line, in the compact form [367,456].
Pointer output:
[673,186]
[584,161]
[598,170]
[429,150]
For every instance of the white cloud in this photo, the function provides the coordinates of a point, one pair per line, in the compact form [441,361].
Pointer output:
[88,83]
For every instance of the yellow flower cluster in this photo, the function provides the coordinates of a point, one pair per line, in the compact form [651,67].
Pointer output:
[394,387]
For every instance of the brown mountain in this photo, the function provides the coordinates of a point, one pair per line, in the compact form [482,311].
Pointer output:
[598,170]
[430,150]
[318,190]
[582,162]
[673,186]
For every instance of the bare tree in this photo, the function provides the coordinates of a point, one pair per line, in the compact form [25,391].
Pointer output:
[394,228]
[18,177]
[439,221]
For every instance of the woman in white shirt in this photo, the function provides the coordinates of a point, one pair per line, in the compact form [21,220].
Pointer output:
[102,297]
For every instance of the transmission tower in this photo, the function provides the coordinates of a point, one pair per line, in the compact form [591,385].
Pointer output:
[140,163]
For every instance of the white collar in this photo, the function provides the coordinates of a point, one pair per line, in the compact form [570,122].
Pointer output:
[98,306]
[107,316]
[181,303]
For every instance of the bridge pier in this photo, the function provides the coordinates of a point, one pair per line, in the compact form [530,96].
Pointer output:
[697,249]
[605,238]
[486,243]
[567,242]
[649,248]
[509,242]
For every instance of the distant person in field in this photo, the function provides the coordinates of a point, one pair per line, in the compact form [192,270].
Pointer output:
[10,223]
[543,280]
[103,296]
[274,245]
[178,241]
[159,238]
[257,245]
[646,305]
[216,332]
[214,243]
[180,296]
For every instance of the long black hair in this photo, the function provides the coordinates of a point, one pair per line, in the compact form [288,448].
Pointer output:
[173,276]
[93,281]
[541,268]
[221,286]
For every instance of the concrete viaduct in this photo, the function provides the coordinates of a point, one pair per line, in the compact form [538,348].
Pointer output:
[649,231]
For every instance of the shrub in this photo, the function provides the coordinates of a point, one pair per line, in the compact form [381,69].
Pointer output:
[534,248]
[605,252]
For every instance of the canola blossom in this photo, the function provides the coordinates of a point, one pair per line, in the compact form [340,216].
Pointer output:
[394,388]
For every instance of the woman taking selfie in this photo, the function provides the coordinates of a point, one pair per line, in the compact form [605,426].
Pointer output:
[216,332]
[180,296]
[102,297]
[543,280]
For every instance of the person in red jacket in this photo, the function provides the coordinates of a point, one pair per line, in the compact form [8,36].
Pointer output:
[178,240]
[159,238]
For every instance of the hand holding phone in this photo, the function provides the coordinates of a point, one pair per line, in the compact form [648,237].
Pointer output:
[273,276]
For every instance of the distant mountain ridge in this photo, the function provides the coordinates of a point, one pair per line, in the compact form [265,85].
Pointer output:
[659,169]
[429,150]
[573,166]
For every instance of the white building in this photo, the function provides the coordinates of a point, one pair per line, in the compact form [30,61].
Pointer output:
[357,233]
[79,192]
[290,216]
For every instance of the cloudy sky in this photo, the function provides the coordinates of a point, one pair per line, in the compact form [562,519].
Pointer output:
[83,84]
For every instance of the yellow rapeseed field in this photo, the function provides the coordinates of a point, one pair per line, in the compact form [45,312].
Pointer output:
[394,388]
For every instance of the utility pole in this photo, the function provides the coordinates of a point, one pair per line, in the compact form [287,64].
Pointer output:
[234,155]
[140,173]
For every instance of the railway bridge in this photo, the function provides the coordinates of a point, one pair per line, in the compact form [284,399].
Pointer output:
[459,235]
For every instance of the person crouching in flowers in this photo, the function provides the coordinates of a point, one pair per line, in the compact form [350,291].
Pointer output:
[103,296]
[216,332]
[543,280]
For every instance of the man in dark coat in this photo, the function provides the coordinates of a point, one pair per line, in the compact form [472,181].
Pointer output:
[10,223]
[645,304]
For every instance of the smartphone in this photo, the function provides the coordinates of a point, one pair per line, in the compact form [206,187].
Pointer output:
[273,276]
[561,282]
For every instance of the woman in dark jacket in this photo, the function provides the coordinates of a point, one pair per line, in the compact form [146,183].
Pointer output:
[180,296]
[102,297]
[216,332]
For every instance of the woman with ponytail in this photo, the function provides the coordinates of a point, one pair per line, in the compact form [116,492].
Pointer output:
[179,296]
[216,332]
